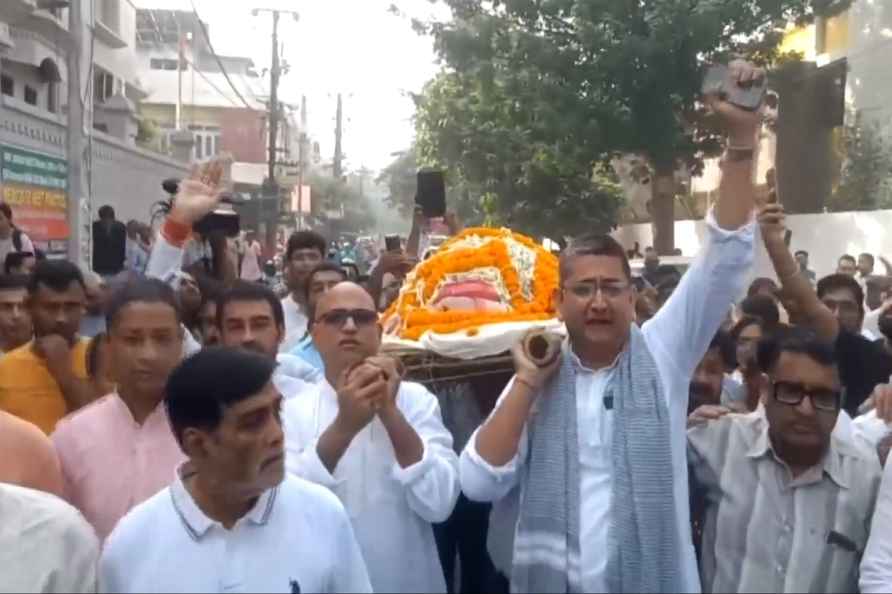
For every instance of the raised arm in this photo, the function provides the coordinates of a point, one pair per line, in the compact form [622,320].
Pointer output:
[815,315]
[684,327]
[198,196]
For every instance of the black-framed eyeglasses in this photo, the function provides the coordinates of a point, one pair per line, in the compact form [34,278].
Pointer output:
[338,317]
[792,394]
[589,289]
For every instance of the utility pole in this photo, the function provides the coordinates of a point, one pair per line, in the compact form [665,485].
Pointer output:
[275,74]
[337,168]
[77,145]
[301,161]
[181,42]
[274,105]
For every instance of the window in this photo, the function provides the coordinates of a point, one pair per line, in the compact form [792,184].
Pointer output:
[110,14]
[163,64]
[103,86]
[7,85]
[52,103]
[199,147]
[30,95]
[208,149]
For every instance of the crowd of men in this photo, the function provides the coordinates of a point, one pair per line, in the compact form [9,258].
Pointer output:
[173,428]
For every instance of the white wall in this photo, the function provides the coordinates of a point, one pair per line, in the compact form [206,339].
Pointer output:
[824,236]
[122,63]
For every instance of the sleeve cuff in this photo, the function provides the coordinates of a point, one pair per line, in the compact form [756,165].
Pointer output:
[500,474]
[744,233]
[412,474]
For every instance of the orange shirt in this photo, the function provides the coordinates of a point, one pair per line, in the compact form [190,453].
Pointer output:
[28,391]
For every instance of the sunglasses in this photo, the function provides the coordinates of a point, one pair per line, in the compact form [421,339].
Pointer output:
[338,317]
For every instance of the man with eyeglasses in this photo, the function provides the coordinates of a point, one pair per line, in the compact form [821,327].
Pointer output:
[789,499]
[594,440]
[377,442]
[835,312]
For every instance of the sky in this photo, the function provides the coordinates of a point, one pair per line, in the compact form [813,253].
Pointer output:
[355,47]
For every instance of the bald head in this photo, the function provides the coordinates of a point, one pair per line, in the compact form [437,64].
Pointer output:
[344,295]
[345,328]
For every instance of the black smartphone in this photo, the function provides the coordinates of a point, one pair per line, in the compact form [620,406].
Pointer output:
[431,196]
[392,243]
[718,81]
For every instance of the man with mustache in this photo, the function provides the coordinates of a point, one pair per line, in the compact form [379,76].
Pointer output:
[791,496]
[595,440]
[232,520]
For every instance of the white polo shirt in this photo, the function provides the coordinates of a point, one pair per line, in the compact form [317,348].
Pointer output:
[297,538]
[45,544]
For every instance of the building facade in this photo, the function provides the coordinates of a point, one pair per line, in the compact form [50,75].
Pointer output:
[35,40]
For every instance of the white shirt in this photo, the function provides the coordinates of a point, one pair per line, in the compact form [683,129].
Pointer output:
[293,375]
[677,337]
[45,544]
[392,508]
[297,538]
[876,566]
[251,262]
[295,324]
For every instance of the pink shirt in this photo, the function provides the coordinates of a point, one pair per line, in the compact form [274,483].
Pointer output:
[110,464]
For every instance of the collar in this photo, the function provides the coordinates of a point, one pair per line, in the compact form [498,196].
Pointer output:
[831,465]
[580,366]
[159,413]
[196,523]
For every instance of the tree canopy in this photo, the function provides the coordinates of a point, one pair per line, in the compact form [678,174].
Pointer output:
[535,96]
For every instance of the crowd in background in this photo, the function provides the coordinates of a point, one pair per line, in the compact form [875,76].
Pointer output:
[172,420]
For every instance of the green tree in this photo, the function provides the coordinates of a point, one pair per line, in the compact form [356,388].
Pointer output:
[399,178]
[505,164]
[334,196]
[555,87]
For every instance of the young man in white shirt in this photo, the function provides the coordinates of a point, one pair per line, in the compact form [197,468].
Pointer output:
[377,442]
[305,251]
[45,545]
[607,417]
[232,520]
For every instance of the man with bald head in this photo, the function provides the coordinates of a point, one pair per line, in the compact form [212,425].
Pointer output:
[377,442]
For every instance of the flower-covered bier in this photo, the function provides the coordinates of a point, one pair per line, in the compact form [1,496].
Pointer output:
[479,277]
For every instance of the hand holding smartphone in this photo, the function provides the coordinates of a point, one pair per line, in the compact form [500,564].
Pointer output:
[720,80]
[431,196]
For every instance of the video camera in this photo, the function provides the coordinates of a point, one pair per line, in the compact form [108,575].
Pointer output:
[223,220]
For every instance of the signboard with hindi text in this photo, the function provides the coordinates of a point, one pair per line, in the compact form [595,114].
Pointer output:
[36,188]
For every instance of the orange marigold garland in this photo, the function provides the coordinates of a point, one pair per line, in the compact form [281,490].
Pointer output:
[413,314]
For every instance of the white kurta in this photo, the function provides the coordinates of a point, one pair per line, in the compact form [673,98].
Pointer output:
[678,336]
[392,508]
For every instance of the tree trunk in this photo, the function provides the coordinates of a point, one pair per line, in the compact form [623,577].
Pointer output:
[662,210]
